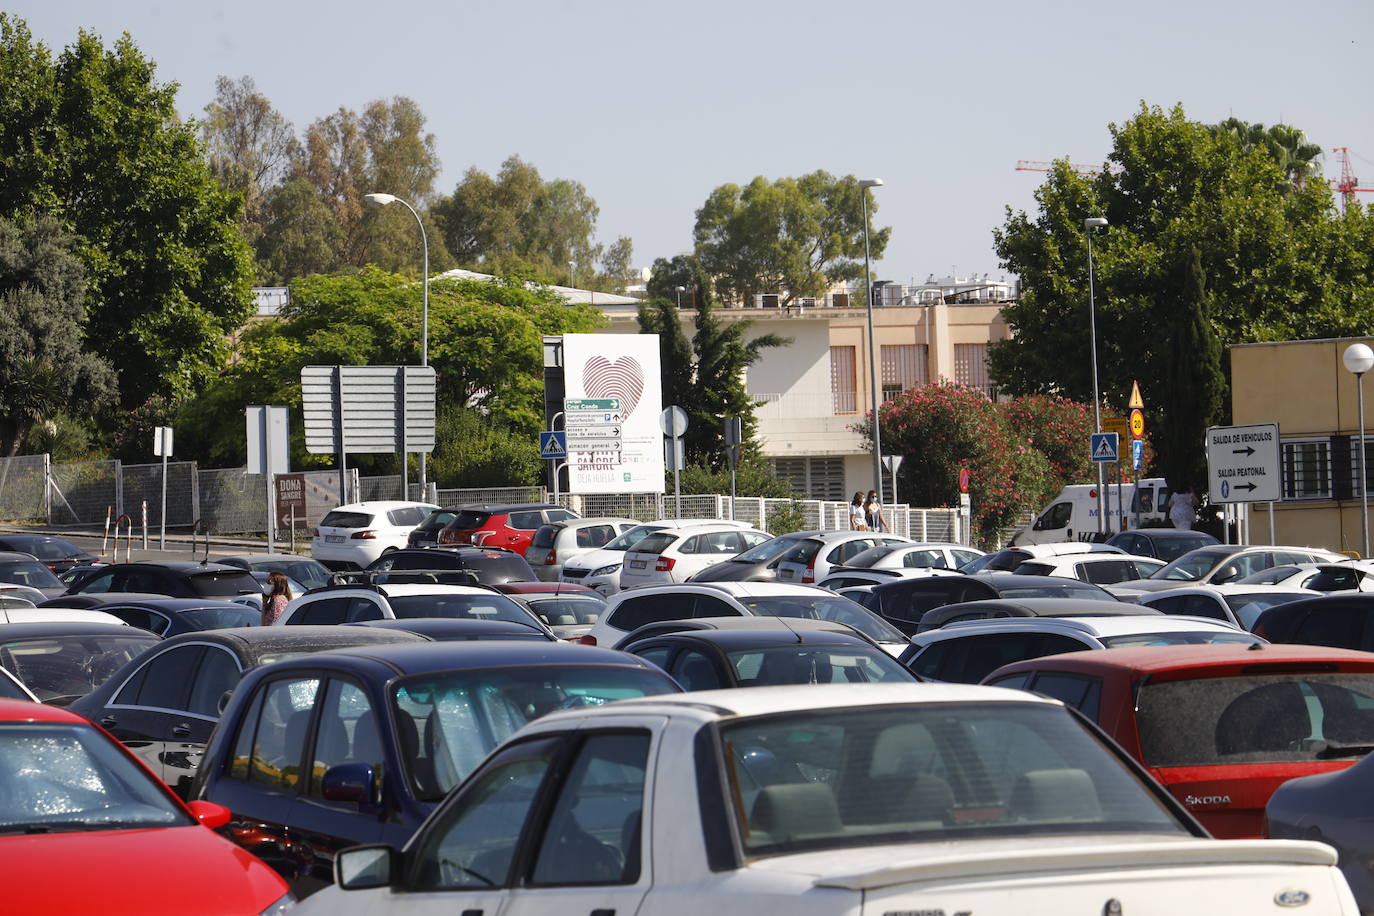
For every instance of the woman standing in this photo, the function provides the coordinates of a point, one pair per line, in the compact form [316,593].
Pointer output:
[873,512]
[858,521]
[1183,509]
[274,602]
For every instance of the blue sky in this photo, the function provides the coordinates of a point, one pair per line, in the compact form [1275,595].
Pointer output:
[652,105]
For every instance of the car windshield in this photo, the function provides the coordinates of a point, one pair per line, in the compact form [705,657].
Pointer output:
[337,519]
[768,550]
[221,618]
[437,519]
[224,584]
[1066,589]
[62,777]
[1248,608]
[977,564]
[62,668]
[1183,638]
[815,664]
[30,573]
[456,718]
[1192,566]
[1256,718]
[51,549]
[826,607]
[460,606]
[656,542]
[823,779]
[1168,549]
[468,518]
[567,610]
[631,537]
[306,572]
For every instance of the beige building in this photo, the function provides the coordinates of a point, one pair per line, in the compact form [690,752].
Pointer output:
[1304,387]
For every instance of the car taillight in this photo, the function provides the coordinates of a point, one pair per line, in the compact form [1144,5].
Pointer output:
[367,534]
[587,640]
[665,564]
[446,536]
[810,574]
[314,532]
[551,559]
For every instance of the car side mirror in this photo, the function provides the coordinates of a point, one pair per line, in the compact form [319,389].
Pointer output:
[348,782]
[363,867]
[1225,574]
[209,814]
[1039,524]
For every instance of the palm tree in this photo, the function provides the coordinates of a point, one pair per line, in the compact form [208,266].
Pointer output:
[1286,145]
[31,392]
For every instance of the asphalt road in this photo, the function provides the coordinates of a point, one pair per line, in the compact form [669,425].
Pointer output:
[178,548]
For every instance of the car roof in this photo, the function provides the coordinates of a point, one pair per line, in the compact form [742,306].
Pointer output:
[13,556]
[496,508]
[420,658]
[1136,661]
[381,505]
[995,580]
[736,589]
[26,711]
[1229,588]
[55,628]
[705,528]
[1054,607]
[1129,625]
[427,626]
[1165,534]
[186,566]
[543,588]
[161,602]
[740,638]
[269,557]
[254,642]
[844,534]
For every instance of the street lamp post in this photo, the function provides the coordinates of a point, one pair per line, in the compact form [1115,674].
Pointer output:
[680,291]
[381,200]
[864,185]
[1089,225]
[1358,358]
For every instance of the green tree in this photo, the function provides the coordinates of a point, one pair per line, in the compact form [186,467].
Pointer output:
[94,139]
[469,451]
[1287,145]
[46,366]
[753,477]
[793,236]
[1191,401]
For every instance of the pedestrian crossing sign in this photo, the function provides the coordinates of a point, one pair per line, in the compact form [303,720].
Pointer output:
[553,444]
[1104,447]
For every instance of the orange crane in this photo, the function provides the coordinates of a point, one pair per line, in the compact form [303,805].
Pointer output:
[1348,184]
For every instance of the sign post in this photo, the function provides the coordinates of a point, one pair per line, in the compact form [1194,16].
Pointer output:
[267,455]
[1243,464]
[673,422]
[162,445]
[892,463]
[734,437]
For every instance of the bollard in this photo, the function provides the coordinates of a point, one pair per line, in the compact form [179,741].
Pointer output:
[145,524]
[109,510]
[128,539]
[200,526]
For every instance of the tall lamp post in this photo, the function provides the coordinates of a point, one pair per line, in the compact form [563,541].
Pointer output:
[680,291]
[1096,222]
[1359,359]
[864,185]
[381,200]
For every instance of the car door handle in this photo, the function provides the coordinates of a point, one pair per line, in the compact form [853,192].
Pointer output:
[181,731]
[603,912]
[108,721]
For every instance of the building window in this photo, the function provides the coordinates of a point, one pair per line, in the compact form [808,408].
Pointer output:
[904,368]
[842,384]
[971,367]
[840,300]
[1354,473]
[813,478]
[1307,469]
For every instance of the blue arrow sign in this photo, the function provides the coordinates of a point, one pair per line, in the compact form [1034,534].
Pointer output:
[1137,454]
[553,445]
[1103,447]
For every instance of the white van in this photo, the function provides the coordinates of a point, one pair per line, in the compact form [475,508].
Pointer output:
[1072,515]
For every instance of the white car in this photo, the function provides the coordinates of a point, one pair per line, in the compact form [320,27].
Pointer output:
[631,609]
[811,560]
[1008,558]
[921,555]
[822,800]
[556,543]
[1097,568]
[58,615]
[967,651]
[1235,603]
[1352,575]
[600,569]
[674,554]
[336,604]
[1222,563]
[352,536]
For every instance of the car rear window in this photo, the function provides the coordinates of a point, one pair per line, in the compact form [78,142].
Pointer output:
[226,583]
[461,607]
[544,537]
[803,552]
[337,519]
[1256,718]
[468,518]
[655,543]
[220,618]
[437,519]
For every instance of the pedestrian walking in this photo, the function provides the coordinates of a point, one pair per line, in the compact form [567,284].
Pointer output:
[274,602]
[873,512]
[1183,509]
[858,521]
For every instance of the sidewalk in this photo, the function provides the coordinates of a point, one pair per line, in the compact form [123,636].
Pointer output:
[243,545]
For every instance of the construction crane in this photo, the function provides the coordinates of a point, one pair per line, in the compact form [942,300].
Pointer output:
[1348,184]
[1031,165]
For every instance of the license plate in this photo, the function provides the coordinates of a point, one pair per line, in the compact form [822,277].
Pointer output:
[787,573]
[638,564]
[333,539]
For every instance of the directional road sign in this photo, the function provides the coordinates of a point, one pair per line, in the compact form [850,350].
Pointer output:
[1137,454]
[1243,464]
[592,424]
[591,404]
[553,444]
[1104,447]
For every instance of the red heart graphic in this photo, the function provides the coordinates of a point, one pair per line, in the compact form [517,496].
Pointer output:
[620,378]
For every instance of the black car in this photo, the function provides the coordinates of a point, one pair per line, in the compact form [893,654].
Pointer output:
[1342,621]
[903,602]
[1167,544]
[162,615]
[426,534]
[308,572]
[179,579]
[54,553]
[60,662]
[1030,607]
[757,564]
[769,657]
[164,704]
[795,625]
[450,629]
[25,569]
[320,752]
[485,565]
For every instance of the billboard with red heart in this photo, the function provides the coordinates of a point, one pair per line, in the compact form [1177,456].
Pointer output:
[613,396]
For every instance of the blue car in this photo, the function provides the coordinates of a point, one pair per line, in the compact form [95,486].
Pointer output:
[324,751]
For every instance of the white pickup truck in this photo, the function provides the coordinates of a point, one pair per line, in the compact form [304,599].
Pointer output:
[863,800]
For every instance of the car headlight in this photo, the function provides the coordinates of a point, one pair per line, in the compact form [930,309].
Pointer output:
[280,905]
[606,570]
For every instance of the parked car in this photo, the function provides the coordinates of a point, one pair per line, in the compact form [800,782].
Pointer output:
[1352,576]
[55,553]
[811,560]
[1233,603]
[164,703]
[903,602]
[675,554]
[1009,558]
[990,608]
[757,564]
[1165,544]
[319,752]
[1222,563]
[558,542]
[600,569]
[1343,620]
[768,657]
[351,603]
[175,579]
[85,829]
[352,536]
[842,577]
[61,661]
[1219,726]
[511,526]
[454,629]
[426,534]
[167,616]
[487,565]
[309,573]
[796,625]
[568,610]
[840,799]
[17,611]
[969,651]
[920,555]
[25,569]
[629,610]
[1099,569]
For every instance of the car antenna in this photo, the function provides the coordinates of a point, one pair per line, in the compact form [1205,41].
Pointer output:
[1256,647]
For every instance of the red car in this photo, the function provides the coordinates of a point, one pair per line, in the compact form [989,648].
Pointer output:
[508,526]
[1220,726]
[85,827]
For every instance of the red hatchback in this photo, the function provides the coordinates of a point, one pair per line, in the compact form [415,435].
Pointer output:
[86,828]
[1220,726]
[508,526]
